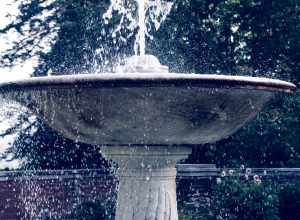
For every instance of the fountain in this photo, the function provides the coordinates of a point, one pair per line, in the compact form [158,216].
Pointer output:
[146,120]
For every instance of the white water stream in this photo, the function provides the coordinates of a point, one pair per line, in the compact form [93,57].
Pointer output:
[141,37]
[143,15]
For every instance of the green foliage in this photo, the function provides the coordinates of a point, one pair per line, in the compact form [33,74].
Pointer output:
[234,198]
[250,37]
[241,197]
[289,197]
[94,210]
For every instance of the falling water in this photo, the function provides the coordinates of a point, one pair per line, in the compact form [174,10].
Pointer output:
[138,14]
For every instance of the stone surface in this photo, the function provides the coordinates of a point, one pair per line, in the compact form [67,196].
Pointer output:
[147,186]
[162,109]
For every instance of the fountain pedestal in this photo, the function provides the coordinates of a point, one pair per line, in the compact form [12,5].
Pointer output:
[147,187]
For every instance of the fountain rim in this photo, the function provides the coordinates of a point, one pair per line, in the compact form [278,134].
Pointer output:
[117,80]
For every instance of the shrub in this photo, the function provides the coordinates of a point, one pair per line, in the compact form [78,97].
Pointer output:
[240,198]
[94,210]
[289,202]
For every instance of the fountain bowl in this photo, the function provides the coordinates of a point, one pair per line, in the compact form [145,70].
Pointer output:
[145,108]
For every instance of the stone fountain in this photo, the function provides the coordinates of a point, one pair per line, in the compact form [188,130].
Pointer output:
[146,120]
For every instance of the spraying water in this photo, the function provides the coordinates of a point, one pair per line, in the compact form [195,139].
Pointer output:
[143,15]
[141,38]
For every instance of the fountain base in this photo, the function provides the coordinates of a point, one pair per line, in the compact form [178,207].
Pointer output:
[147,186]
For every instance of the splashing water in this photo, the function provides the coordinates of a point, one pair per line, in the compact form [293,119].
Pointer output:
[142,14]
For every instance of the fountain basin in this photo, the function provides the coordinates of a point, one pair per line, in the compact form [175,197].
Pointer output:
[145,108]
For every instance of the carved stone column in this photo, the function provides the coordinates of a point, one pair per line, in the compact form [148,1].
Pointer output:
[147,187]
